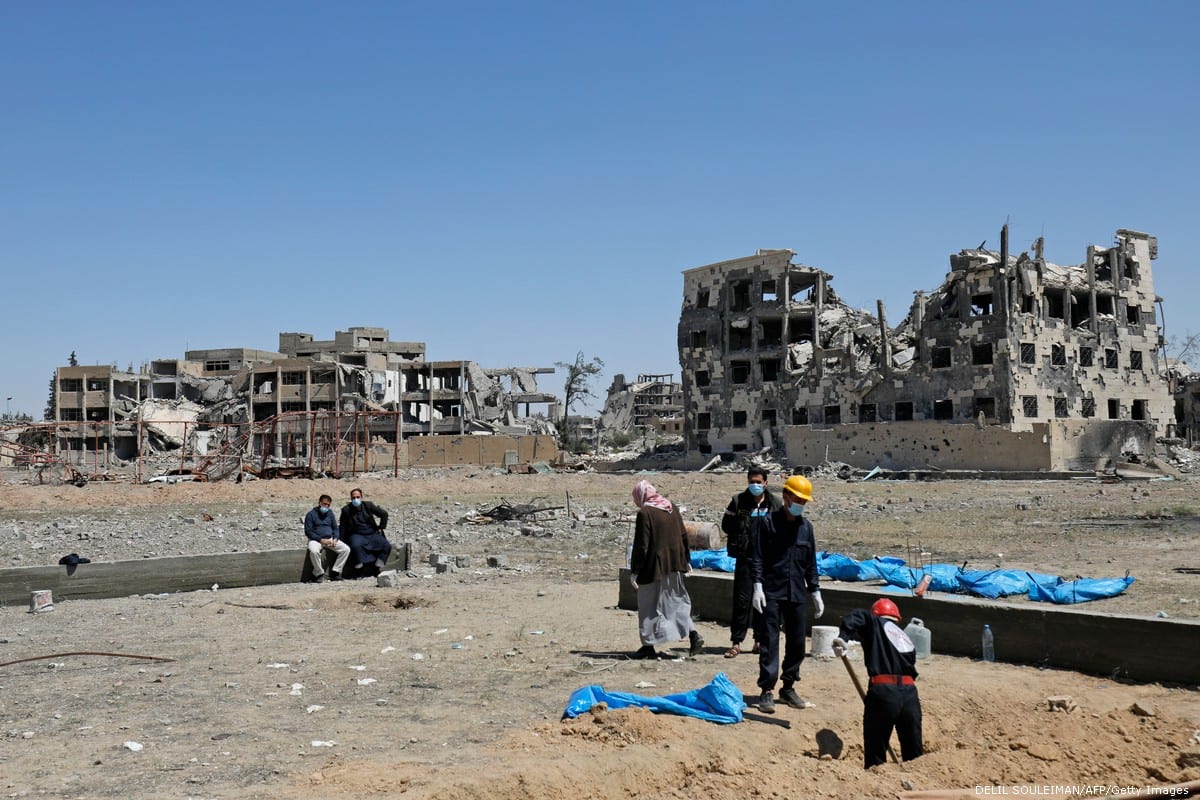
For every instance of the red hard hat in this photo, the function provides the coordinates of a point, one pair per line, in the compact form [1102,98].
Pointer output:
[885,608]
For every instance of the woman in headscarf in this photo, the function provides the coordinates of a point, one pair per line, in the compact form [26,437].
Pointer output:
[657,564]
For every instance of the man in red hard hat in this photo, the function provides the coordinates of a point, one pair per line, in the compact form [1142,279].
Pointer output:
[891,700]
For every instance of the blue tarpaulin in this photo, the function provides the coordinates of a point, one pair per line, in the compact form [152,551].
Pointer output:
[719,701]
[718,560]
[1077,591]
[995,583]
[945,577]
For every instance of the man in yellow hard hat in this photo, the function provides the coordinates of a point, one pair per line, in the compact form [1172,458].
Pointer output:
[783,564]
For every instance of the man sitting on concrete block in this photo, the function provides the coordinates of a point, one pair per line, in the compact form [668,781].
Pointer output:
[321,528]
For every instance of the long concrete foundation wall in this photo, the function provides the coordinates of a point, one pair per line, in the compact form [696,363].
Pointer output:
[1057,446]
[104,579]
[1137,648]
[437,451]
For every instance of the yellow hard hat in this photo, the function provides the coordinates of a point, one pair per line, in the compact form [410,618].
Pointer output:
[799,486]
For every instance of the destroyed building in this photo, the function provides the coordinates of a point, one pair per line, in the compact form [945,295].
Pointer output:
[1014,348]
[308,396]
[650,402]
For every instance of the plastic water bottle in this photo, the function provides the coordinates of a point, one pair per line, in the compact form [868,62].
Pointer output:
[922,637]
[989,644]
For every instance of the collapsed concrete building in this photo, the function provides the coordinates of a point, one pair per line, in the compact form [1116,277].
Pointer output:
[309,400]
[1012,363]
[652,402]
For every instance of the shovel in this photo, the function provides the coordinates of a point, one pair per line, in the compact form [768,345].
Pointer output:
[862,693]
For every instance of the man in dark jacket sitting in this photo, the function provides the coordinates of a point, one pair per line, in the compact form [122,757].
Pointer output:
[363,524]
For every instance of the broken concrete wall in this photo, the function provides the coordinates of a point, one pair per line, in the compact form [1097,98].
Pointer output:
[919,445]
[1072,445]
[435,451]
[169,421]
[1100,445]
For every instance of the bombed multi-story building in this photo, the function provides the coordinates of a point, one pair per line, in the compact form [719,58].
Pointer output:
[652,402]
[312,400]
[1007,343]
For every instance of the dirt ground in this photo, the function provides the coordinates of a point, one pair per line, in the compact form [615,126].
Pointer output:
[453,685]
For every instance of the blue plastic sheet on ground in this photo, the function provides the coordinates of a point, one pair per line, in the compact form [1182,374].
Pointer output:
[1077,591]
[995,583]
[719,701]
[837,566]
[944,577]
[844,568]
[719,560]
[872,568]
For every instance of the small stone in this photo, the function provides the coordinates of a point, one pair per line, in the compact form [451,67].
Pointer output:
[1142,709]
[1043,752]
[1061,702]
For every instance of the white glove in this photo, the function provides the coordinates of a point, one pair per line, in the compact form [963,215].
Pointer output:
[759,600]
[633,581]
[818,604]
[839,648]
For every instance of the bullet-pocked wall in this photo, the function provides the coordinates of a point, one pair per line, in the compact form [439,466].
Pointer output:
[1066,446]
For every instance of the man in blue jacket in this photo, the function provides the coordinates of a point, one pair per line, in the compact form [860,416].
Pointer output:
[321,528]
[783,564]
[740,524]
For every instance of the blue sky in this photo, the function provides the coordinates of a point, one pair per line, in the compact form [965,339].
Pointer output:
[515,182]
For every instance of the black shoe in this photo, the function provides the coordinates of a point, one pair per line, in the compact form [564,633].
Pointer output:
[646,651]
[335,576]
[322,578]
[766,703]
[789,697]
[697,643]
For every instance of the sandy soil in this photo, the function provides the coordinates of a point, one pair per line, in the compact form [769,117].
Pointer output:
[453,685]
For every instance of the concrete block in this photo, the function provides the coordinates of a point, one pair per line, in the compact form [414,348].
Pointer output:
[462,562]
[448,567]
[1041,634]
[497,562]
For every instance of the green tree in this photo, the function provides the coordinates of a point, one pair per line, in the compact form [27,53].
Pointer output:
[52,400]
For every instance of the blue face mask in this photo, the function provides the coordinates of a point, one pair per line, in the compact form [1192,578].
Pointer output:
[356,502]
[796,509]
[756,489]
[322,510]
